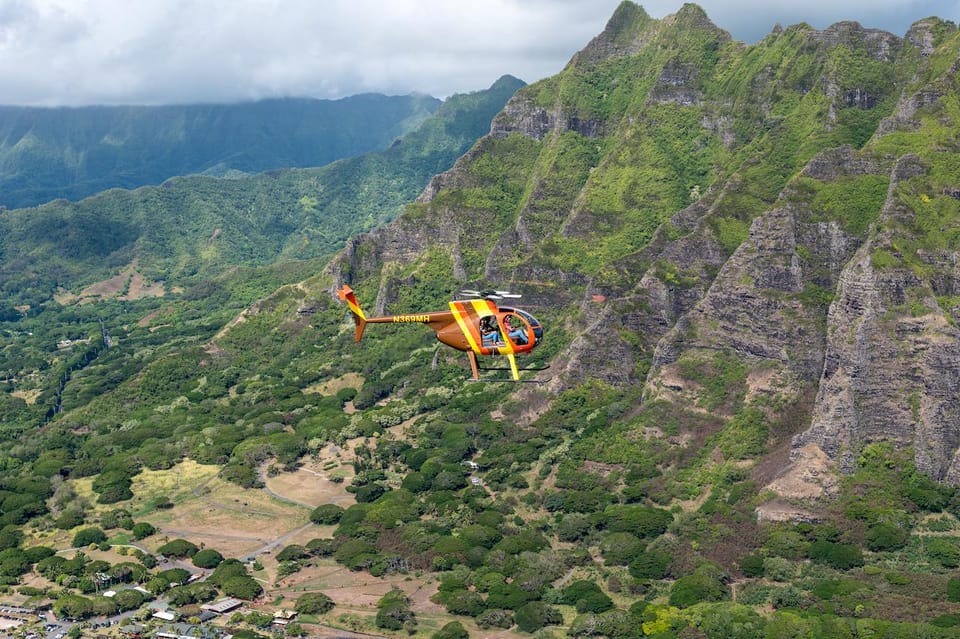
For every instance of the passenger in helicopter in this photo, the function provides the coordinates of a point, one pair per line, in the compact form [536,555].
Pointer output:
[516,331]
[489,332]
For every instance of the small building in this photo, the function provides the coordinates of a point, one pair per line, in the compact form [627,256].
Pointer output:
[282,617]
[165,615]
[222,606]
[206,615]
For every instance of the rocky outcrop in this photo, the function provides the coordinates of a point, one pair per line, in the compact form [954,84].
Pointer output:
[892,365]
[844,322]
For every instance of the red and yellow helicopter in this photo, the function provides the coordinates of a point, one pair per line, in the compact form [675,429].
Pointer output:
[476,326]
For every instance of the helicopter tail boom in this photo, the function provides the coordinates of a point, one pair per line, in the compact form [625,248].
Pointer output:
[345,293]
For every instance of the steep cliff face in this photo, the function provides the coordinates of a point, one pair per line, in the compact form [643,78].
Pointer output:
[781,216]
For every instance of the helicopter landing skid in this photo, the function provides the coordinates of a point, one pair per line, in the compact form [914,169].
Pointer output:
[509,381]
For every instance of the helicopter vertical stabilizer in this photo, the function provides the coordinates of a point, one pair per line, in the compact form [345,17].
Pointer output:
[346,294]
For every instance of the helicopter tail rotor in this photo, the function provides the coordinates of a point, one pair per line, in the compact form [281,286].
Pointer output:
[346,294]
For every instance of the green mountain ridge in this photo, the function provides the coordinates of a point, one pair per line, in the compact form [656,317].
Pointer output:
[196,227]
[72,153]
[744,260]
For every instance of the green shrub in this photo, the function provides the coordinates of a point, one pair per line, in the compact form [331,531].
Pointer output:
[535,615]
[464,602]
[577,590]
[945,621]
[943,551]
[704,585]
[621,548]
[495,618]
[178,548]
[594,602]
[884,536]
[650,564]
[313,603]
[393,611]
[752,566]
[293,552]
[840,556]
[787,597]
[452,630]
[953,589]
[779,569]
[87,536]
[207,558]
[326,514]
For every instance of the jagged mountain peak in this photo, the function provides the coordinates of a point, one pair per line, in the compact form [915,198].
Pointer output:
[687,202]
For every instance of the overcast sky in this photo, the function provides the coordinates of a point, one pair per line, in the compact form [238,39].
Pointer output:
[75,52]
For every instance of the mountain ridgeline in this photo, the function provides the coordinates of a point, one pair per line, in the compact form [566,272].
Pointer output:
[192,228]
[49,153]
[772,229]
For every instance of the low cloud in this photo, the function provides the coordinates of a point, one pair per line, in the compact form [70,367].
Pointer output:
[73,52]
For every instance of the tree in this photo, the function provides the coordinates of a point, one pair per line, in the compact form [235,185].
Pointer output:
[453,630]
[129,599]
[207,558]
[326,514]
[178,548]
[73,607]
[87,536]
[242,587]
[535,615]
[142,530]
[393,610]
[314,603]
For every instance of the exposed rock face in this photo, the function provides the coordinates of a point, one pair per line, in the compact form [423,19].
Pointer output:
[889,374]
[825,312]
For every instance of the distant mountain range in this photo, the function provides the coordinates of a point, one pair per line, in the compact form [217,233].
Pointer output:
[49,153]
[197,226]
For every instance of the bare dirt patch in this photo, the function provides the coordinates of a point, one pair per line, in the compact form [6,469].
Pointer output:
[234,520]
[810,475]
[29,396]
[333,386]
[139,288]
[129,284]
[149,317]
[206,509]
[313,484]
[359,589]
